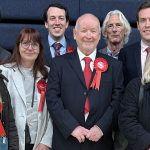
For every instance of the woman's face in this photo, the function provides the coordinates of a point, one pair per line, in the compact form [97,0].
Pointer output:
[29,51]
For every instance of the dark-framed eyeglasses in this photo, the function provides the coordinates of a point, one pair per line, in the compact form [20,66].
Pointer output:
[26,44]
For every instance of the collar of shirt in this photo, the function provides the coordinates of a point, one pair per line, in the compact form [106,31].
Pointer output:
[81,56]
[143,47]
[109,52]
[62,49]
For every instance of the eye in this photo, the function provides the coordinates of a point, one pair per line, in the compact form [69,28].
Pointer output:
[62,18]
[52,18]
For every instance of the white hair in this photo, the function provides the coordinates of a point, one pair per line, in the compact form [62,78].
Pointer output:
[123,20]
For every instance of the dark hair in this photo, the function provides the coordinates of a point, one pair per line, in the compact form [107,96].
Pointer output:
[34,36]
[58,6]
[144,5]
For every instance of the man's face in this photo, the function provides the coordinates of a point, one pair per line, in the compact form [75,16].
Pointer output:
[115,30]
[143,25]
[87,34]
[56,22]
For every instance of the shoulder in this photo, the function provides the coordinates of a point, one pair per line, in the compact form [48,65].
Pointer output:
[131,48]
[4,54]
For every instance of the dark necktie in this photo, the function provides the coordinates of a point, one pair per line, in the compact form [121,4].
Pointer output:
[87,76]
[57,47]
[148,51]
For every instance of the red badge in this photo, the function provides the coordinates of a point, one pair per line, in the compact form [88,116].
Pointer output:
[41,85]
[2,130]
[70,49]
[100,65]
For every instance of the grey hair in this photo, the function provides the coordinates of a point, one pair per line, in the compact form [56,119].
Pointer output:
[123,20]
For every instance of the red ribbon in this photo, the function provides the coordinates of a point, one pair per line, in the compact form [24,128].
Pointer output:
[100,65]
[2,130]
[41,85]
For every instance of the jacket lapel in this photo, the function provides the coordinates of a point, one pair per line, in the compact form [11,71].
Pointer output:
[76,66]
[137,56]
[17,79]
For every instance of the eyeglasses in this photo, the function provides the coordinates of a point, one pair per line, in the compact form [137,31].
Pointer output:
[112,26]
[26,45]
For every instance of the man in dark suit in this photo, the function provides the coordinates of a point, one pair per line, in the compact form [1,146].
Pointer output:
[134,56]
[83,113]
[56,18]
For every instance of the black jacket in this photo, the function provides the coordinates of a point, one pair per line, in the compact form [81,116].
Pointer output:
[134,119]
[8,118]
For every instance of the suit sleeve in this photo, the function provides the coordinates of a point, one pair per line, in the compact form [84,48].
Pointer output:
[110,116]
[129,123]
[61,117]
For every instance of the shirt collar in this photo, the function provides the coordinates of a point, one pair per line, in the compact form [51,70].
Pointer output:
[81,55]
[143,46]
[62,41]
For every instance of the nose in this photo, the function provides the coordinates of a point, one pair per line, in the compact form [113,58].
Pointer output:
[88,34]
[114,29]
[30,47]
[57,21]
[147,23]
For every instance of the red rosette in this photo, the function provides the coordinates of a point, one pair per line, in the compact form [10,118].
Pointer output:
[70,49]
[41,85]
[100,65]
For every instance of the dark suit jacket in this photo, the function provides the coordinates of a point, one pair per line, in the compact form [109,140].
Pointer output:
[134,119]
[131,59]
[47,53]
[66,95]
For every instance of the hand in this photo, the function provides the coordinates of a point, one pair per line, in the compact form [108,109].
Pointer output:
[80,133]
[94,134]
[42,147]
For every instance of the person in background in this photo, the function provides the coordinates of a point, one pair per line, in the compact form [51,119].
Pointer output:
[8,131]
[134,119]
[83,104]
[56,18]
[27,77]
[4,54]
[116,30]
[133,57]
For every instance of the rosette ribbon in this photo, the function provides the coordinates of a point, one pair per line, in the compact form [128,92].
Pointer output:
[100,65]
[41,85]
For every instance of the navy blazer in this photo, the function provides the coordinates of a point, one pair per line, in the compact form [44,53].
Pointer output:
[131,59]
[47,53]
[66,95]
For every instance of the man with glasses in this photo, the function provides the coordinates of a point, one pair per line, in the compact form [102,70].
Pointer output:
[116,30]
[56,18]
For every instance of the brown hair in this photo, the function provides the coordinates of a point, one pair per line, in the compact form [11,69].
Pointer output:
[143,5]
[34,36]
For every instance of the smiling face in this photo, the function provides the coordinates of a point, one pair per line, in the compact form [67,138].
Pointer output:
[115,30]
[56,22]
[87,33]
[28,53]
[143,25]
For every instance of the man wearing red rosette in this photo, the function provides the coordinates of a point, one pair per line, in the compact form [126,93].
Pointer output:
[56,18]
[83,92]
